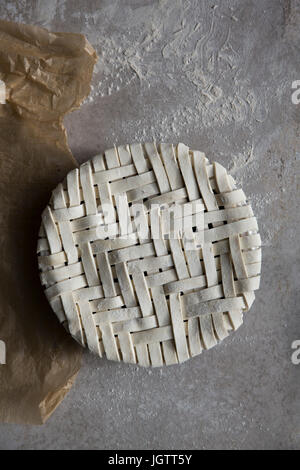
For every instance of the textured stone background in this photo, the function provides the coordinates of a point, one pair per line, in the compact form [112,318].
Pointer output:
[216,75]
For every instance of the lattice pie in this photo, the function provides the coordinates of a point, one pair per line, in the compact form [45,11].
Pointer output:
[149,254]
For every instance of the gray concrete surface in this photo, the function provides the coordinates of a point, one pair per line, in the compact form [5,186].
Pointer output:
[218,76]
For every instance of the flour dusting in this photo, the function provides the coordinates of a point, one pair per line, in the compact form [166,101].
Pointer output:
[187,70]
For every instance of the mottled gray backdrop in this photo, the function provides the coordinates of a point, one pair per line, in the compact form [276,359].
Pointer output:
[218,76]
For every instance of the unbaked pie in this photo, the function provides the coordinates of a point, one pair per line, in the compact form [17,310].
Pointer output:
[149,254]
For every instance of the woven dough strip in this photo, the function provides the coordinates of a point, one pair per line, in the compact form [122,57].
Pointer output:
[162,290]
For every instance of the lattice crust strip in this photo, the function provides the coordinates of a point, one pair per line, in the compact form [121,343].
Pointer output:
[146,291]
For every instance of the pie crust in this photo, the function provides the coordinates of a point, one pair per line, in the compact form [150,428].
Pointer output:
[162,290]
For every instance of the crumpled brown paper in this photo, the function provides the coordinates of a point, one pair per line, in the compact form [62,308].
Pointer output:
[46,76]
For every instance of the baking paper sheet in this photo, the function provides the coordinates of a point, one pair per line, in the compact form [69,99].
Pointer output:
[45,75]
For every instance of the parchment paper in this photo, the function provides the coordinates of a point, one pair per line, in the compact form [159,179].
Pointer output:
[46,75]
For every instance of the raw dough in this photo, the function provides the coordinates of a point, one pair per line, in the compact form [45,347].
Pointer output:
[161,290]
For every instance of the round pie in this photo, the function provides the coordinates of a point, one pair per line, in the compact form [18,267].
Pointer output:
[149,254]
